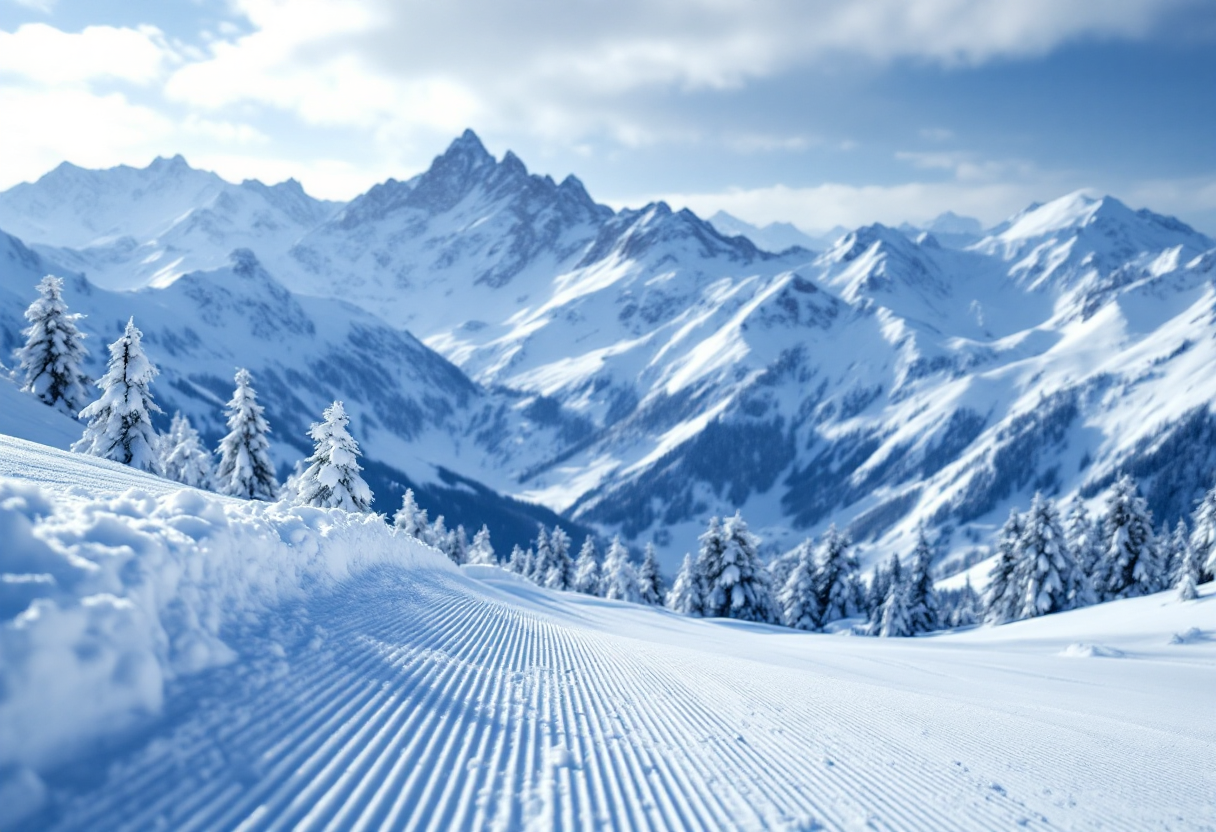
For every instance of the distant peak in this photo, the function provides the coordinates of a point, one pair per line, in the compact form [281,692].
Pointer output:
[172,163]
[469,146]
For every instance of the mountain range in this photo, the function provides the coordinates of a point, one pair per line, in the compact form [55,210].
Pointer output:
[508,345]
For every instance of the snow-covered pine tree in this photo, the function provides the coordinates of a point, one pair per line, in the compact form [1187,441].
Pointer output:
[587,569]
[119,423]
[561,573]
[1174,552]
[332,478]
[1203,535]
[685,595]
[1002,598]
[409,518]
[920,595]
[620,580]
[650,581]
[834,577]
[1129,565]
[437,534]
[1084,539]
[966,608]
[1045,573]
[183,458]
[799,597]
[481,552]
[518,562]
[245,469]
[737,583]
[876,594]
[458,545]
[896,621]
[54,352]
[542,557]
[709,562]
[1186,580]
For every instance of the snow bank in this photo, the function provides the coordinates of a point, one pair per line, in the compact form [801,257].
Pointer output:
[102,600]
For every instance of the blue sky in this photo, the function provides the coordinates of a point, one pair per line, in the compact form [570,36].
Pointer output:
[821,113]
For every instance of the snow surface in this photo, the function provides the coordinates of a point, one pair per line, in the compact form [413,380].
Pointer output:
[195,662]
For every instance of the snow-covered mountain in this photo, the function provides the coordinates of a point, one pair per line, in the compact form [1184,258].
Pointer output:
[639,370]
[776,236]
[420,420]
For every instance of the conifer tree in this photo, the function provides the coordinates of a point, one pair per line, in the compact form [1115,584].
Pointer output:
[245,469]
[966,609]
[1203,535]
[650,581]
[184,459]
[560,574]
[457,545]
[1174,552]
[332,478]
[737,583]
[685,595]
[709,562]
[620,578]
[1186,581]
[896,621]
[834,577]
[920,596]
[1002,599]
[409,518]
[587,569]
[542,559]
[119,423]
[519,561]
[481,552]
[54,352]
[799,599]
[876,595]
[1045,574]
[1084,538]
[1129,565]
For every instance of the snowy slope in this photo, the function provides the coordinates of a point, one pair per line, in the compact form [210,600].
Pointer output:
[300,685]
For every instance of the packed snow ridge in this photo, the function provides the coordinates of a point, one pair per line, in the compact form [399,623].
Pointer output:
[178,659]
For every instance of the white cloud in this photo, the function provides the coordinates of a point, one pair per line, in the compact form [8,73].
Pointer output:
[45,55]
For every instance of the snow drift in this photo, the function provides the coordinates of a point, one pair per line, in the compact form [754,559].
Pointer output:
[104,599]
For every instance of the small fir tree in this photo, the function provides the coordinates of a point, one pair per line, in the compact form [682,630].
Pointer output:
[1001,601]
[409,518]
[560,574]
[1203,535]
[650,581]
[920,596]
[245,469]
[587,569]
[185,460]
[1175,552]
[332,478]
[835,577]
[1045,574]
[709,562]
[518,561]
[119,423]
[542,560]
[620,578]
[800,599]
[1129,565]
[54,352]
[481,552]
[737,583]
[1084,538]
[966,607]
[896,621]
[876,594]
[1186,582]
[685,596]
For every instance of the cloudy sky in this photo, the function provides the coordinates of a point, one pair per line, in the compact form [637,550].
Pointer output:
[821,112]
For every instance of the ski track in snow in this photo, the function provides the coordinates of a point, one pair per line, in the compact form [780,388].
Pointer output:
[425,700]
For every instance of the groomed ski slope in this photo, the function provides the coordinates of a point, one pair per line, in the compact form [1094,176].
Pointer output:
[410,695]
